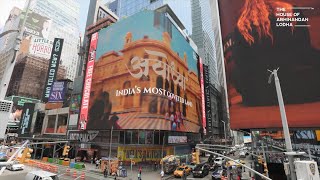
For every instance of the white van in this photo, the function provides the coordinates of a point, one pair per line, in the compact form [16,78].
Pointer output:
[41,175]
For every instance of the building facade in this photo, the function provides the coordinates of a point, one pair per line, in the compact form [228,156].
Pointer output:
[181,8]
[8,40]
[28,77]
[63,19]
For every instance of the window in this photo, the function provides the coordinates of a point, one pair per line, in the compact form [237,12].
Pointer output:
[62,123]
[149,137]
[135,137]
[128,137]
[121,141]
[51,124]
[141,137]
[57,124]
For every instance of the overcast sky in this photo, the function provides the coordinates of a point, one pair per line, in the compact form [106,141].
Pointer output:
[7,5]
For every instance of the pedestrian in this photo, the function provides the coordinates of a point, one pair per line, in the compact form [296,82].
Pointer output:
[162,174]
[155,166]
[140,170]
[184,177]
[97,163]
[139,176]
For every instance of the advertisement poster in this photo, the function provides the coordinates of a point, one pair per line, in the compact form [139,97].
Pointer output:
[18,103]
[208,108]
[146,76]
[36,25]
[53,67]
[264,35]
[75,103]
[139,154]
[177,139]
[26,119]
[88,82]
[40,47]
[57,92]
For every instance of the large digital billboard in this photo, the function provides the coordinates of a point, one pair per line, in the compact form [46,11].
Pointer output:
[146,76]
[264,35]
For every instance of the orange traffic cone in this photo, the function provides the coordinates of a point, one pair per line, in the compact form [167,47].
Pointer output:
[74,174]
[83,176]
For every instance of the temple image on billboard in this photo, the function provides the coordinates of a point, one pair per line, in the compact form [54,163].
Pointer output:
[145,77]
[255,40]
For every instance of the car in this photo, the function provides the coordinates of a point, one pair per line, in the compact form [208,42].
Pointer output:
[15,167]
[201,170]
[179,171]
[242,154]
[192,165]
[218,161]
[218,174]
[43,175]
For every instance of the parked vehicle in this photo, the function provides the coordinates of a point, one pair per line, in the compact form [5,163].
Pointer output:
[43,175]
[218,174]
[201,170]
[15,167]
[218,161]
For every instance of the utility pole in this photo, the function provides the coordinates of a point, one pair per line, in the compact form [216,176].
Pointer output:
[10,65]
[225,132]
[109,164]
[284,122]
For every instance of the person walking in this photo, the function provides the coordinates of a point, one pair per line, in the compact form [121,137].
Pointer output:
[162,174]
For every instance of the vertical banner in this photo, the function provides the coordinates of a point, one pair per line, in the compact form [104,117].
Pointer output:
[26,119]
[57,92]
[53,67]
[207,99]
[204,120]
[87,82]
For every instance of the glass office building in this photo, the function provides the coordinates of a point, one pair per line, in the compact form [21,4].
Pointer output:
[64,16]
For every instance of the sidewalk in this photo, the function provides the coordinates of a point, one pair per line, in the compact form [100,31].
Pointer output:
[147,172]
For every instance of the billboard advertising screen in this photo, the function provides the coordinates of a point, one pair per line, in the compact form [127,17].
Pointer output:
[26,119]
[264,35]
[36,25]
[146,76]
[58,92]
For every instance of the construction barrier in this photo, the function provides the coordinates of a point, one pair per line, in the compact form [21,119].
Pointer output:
[74,175]
[83,176]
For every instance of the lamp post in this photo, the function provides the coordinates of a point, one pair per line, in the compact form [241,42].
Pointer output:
[109,165]
[225,133]
[284,121]
[10,65]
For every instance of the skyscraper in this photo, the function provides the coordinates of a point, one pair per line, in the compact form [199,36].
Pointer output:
[181,8]
[64,16]
[7,41]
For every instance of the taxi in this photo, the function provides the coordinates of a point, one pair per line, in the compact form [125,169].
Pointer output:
[179,171]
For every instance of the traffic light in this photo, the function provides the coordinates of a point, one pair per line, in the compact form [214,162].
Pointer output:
[26,155]
[260,160]
[65,150]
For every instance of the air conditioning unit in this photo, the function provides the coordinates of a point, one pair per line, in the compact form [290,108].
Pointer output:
[307,170]
[5,110]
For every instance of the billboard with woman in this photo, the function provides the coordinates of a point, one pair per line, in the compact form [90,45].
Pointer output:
[262,35]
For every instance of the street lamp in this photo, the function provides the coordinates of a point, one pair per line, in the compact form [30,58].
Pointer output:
[225,132]
[284,120]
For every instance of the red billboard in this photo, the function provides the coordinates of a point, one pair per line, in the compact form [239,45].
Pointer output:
[87,82]
[262,35]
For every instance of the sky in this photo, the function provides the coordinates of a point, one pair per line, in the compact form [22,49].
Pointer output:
[7,5]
